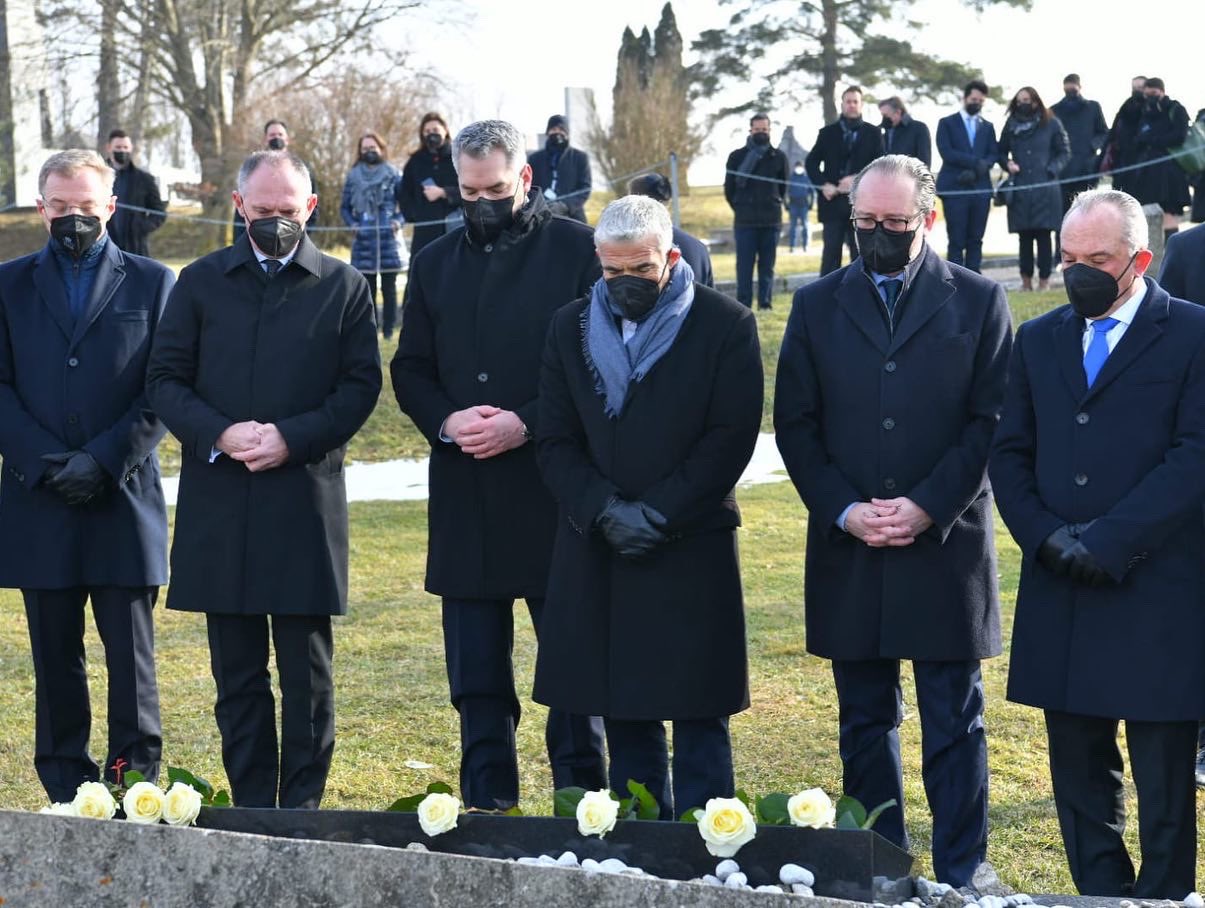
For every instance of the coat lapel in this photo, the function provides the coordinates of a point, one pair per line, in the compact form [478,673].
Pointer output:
[931,289]
[110,273]
[53,291]
[1069,351]
[856,297]
[1146,328]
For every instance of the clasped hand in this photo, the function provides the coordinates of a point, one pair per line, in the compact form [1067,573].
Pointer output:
[257,445]
[631,528]
[485,431]
[74,476]
[887,522]
[1064,555]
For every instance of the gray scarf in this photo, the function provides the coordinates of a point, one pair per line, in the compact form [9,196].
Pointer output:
[370,185]
[615,364]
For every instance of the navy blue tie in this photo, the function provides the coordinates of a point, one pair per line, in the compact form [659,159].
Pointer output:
[891,293]
[1098,348]
[271,266]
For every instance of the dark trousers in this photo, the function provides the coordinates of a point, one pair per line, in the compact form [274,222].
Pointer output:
[62,712]
[1028,239]
[966,221]
[949,697]
[1086,771]
[479,639]
[798,226]
[760,243]
[836,235]
[261,775]
[702,761]
[388,310]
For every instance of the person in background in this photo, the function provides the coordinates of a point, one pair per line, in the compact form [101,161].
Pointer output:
[276,138]
[139,207]
[755,187]
[800,196]
[561,171]
[967,145]
[1162,126]
[1087,133]
[904,135]
[1120,150]
[694,251]
[1034,150]
[372,206]
[430,194]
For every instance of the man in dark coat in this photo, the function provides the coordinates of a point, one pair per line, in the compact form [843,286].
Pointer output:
[967,145]
[890,383]
[467,372]
[904,135]
[1087,132]
[755,186]
[139,207]
[642,460]
[1120,151]
[841,150]
[562,172]
[81,506]
[265,365]
[1162,126]
[1099,470]
[693,250]
[430,196]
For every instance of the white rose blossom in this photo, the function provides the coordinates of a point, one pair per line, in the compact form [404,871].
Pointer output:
[812,808]
[597,812]
[143,803]
[726,825]
[59,809]
[181,804]
[438,813]
[93,800]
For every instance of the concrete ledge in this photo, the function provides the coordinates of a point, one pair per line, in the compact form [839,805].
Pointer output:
[47,860]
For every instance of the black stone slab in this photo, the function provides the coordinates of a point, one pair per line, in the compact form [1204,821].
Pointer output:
[844,861]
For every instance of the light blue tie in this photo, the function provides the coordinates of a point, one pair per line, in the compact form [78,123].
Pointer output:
[1098,348]
[970,122]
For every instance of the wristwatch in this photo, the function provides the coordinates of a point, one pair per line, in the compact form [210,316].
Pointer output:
[527,433]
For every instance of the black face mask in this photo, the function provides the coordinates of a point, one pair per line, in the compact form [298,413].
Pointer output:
[276,143]
[1025,110]
[761,138]
[275,236]
[121,158]
[75,233]
[1093,292]
[370,157]
[884,252]
[485,219]
[433,140]
[1137,94]
[634,296]
[973,108]
[556,141]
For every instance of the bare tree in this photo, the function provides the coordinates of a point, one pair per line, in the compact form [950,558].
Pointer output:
[108,88]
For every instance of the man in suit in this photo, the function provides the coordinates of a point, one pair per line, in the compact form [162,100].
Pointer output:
[264,367]
[1099,470]
[890,382]
[139,207]
[562,172]
[904,135]
[693,250]
[81,505]
[755,187]
[467,372]
[967,145]
[642,463]
[841,150]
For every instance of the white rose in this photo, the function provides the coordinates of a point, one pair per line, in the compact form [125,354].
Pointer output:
[59,809]
[726,825]
[596,813]
[143,803]
[438,813]
[811,808]
[93,800]
[181,804]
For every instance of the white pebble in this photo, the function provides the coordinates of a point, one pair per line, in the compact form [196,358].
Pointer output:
[612,865]
[726,868]
[789,874]
[801,889]
[769,888]
[736,880]
[590,865]
[529,861]
[568,859]
[1194,900]
[416,846]
[712,880]
[547,860]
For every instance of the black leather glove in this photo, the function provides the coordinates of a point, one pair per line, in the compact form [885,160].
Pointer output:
[631,528]
[74,476]
[982,167]
[1082,566]
[1050,552]
[966,178]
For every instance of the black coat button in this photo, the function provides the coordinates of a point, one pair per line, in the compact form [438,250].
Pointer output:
[72,419]
[888,423]
[889,366]
[1081,479]
[73,362]
[1082,418]
[483,377]
[889,484]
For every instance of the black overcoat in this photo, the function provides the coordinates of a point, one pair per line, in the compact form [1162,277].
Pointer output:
[571,181]
[1182,273]
[860,414]
[299,351]
[911,138]
[1087,132]
[80,385]
[1128,454]
[830,160]
[663,637]
[473,333]
[759,202]
[139,210]
[1041,152]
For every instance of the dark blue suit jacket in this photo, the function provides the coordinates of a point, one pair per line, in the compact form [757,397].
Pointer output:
[71,385]
[957,154]
[1127,454]
[1183,271]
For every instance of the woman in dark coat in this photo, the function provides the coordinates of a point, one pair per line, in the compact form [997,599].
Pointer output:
[372,207]
[1034,149]
[430,192]
[1162,126]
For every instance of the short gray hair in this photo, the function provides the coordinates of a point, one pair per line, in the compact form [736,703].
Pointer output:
[901,165]
[267,158]
[1134,230]
[632,219]
[480,139]
[70,162]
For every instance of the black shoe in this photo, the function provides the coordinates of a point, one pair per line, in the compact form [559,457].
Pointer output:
[764,306]
[1201,768]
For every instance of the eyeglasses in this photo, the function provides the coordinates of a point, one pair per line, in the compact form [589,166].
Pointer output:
[891,225]
[59,208]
